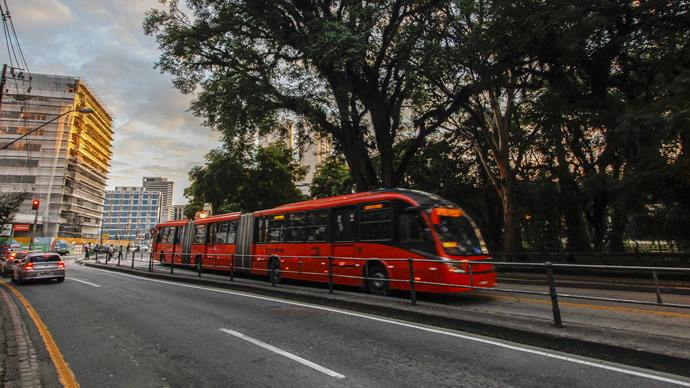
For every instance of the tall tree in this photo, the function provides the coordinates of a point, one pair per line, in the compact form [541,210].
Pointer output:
[245,180]
[331,178]
[9,206]
[349,68]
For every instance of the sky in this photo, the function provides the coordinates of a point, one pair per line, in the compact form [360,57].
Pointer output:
[103,43]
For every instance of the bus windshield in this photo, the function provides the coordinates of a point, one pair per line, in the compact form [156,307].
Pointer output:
[458,236]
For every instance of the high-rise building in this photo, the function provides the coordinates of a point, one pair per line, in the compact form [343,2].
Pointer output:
[66,163]
[178,212]
[130,213]
[165,187]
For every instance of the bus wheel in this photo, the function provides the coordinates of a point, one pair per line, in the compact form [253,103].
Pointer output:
[377,282]
[274,270]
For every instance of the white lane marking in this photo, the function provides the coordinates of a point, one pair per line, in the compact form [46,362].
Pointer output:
[84,281]
[284,353]
[593,364]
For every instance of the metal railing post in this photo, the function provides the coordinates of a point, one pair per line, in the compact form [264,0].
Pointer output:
[172,262]
[658,290]
[554,295]
[413,292]
[330,274]
[198,265]
[133,253]
[151,262]
[273,275]
[232,267]
[119,257]
[471,275]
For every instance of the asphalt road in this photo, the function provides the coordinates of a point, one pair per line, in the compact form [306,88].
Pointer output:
[117,330]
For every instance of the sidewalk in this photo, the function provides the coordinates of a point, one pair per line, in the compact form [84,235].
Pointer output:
[663,350]
[18,361]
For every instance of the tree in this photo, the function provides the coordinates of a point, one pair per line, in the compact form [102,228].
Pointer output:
[331,178]
[236,179]
[9,206]
[350,69]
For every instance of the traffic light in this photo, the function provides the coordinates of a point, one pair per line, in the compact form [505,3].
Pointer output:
[35,203]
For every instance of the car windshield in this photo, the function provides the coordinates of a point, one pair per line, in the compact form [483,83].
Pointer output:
[459,236]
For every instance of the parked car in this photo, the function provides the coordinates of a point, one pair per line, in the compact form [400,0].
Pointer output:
[35,266]
[9,262]
[61,247]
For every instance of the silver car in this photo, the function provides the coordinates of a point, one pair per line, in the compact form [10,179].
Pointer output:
[37,266]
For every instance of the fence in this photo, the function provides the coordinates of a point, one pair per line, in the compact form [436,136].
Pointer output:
[146,262]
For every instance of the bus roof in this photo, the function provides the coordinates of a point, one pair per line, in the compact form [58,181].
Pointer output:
[172,223]
[217,218]
[414,197]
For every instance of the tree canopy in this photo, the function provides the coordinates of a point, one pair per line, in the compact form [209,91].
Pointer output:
[564,125]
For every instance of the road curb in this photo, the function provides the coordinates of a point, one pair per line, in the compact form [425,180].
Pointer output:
[631,356]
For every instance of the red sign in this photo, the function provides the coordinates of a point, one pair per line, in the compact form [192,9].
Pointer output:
[21,227]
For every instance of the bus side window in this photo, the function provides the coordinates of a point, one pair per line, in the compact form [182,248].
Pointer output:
[295,229]
[315,229]
[159,237]
[221,233]
[179,234]
[232,232]
[344,222]
[276,232]
[376,222]
[410,227]
[200,234]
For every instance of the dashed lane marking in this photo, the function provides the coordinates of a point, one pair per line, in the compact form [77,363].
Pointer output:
[283,353]
[84,281]
[63,370]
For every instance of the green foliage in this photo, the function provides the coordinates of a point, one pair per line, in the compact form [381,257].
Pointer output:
[9,206]
[550,120]
[331,178]
[245,180]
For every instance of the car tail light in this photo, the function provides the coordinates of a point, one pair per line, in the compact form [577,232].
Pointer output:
[29,266]
[61,264]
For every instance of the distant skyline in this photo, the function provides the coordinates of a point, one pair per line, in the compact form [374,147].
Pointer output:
[103,43]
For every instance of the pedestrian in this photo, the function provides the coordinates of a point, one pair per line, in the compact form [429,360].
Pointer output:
[87,250]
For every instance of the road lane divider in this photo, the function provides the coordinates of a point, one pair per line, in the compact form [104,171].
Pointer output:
[65,374]
[284,353]
[85,282]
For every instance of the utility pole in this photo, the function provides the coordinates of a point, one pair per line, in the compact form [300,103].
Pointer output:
[2,83]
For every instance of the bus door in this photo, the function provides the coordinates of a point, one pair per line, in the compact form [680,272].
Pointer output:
[316,249]
[344,248]
[198,251]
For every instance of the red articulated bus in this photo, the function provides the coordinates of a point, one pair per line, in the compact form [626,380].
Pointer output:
[369,237]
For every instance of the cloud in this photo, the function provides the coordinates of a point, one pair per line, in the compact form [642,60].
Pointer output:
[103,43]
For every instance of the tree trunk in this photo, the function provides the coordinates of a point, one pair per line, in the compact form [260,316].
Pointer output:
[512,241]
[618,223]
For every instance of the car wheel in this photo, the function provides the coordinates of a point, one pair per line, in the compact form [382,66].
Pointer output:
[377,282]
[60,280]
[19,280]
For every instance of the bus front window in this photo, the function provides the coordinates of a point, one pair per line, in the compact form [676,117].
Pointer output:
[458,236]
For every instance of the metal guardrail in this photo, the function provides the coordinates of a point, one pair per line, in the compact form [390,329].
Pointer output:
[275,274]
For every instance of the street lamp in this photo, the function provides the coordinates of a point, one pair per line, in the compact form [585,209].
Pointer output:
[80,110]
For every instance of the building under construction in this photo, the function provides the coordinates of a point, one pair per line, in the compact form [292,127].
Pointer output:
[65,164]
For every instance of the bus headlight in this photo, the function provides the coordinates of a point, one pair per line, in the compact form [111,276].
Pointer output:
[458,267]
